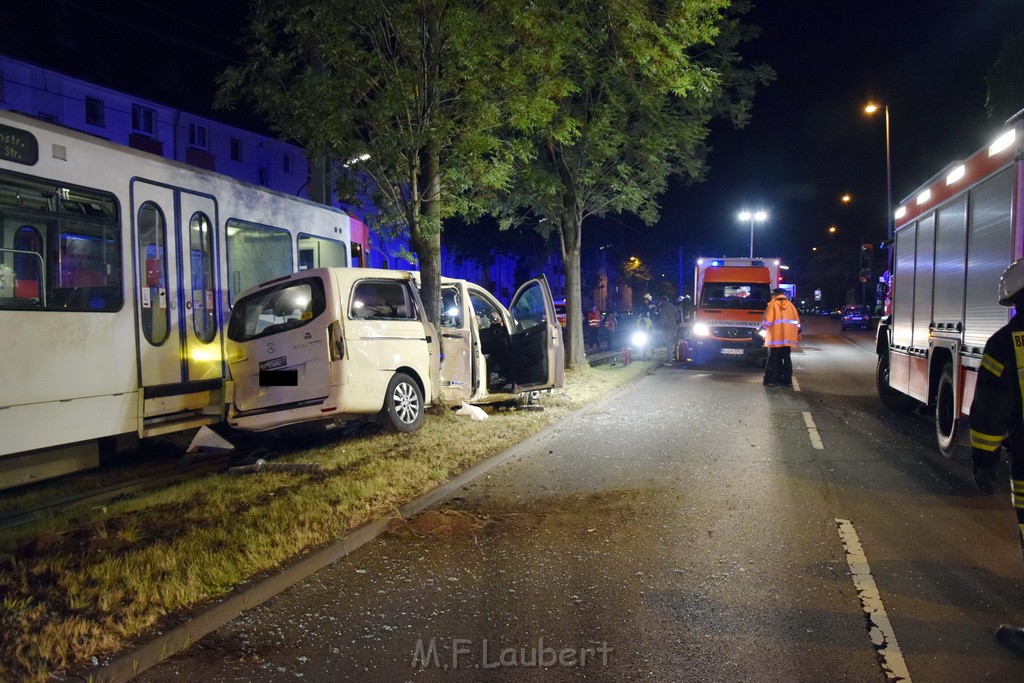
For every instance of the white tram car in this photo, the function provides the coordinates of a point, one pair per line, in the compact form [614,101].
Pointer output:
[118,269]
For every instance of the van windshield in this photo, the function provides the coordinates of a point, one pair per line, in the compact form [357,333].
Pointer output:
[276,309]
[734,295]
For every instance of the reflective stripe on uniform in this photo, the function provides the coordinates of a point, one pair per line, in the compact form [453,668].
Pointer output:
[992,365]
[985,442]
[1018,352]
[1017,493]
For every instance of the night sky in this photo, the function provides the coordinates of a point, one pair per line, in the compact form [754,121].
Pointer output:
[807,144]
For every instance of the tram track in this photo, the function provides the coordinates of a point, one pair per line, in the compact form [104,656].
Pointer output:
[105,494]
[185,468]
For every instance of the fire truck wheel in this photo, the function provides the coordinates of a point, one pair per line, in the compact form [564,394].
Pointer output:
[403,405]
[896,401]
[949,429]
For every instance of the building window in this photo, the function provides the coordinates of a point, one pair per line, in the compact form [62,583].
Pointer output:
[236,149]
[263,175]
[2,98]
[143,119]
[287,160]
[197,135]
[95,115]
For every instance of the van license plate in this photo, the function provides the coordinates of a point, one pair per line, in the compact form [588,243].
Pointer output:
[733,352]
[279,378]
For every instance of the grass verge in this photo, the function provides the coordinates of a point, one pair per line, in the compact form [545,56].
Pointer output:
[87,583]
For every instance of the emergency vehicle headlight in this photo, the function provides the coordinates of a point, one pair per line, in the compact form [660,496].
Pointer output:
[639,340]
[702,330]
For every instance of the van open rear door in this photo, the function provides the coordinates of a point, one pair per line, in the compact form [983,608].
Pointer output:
[538,357]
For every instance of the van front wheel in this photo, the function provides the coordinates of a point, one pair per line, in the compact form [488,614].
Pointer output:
[403,404]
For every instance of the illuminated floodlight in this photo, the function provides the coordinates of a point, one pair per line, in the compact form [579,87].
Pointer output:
[901,212]
[924,197]
[356,160]
[956,174]
[1002,142]
[760,216]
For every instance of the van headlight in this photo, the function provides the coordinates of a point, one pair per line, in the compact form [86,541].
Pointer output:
[701,330]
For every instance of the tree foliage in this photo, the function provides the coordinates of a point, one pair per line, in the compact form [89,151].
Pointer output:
[427,88]
[1005,78]
[646,80]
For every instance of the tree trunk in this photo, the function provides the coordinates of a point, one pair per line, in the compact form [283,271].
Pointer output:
[570,234]
[428,239]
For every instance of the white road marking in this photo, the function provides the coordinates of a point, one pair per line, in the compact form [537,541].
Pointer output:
[882,635]
[796,385]
[812,431]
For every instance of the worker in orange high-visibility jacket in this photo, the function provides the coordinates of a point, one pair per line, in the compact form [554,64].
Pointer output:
[781,324]
[997,417]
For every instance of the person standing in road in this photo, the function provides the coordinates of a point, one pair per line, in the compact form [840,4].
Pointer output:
[996,414]
[781,323]
[667,321]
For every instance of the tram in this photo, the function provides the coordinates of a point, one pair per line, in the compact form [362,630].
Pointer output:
[118,270]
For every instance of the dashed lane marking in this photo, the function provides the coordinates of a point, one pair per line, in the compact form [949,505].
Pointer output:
[812,431]
[879,627]
[796,385]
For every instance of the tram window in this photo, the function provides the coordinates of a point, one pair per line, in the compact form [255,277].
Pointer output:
[317,252]
[256,253]
[155,316]
[203,304]
[64,248]
[28,264]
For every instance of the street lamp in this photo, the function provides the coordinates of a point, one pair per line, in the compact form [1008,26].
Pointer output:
[871,108]
[755,216]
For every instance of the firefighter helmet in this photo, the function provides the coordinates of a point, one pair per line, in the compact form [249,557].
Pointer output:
[1011,282]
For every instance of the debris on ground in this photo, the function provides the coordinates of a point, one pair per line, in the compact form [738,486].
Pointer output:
[264,466]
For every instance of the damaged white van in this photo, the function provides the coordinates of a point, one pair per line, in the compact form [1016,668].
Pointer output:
[342,343]
[331,343]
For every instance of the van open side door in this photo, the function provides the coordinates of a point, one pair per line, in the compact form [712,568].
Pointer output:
[538,357]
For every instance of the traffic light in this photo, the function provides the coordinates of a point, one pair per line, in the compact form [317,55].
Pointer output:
[867,254]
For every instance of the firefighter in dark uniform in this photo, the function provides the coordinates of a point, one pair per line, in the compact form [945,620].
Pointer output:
[997,414]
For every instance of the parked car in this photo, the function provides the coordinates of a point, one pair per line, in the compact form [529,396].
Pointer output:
[345,343]
[855,316]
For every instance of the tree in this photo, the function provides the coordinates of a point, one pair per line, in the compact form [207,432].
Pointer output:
[1005,78]
[413,93]
[647,78]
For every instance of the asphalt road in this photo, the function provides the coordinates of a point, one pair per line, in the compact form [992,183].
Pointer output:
[695,527]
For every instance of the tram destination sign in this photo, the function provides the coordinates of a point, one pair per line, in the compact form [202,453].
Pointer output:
[18,146]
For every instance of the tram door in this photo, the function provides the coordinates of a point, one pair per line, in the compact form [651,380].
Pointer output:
[175,252]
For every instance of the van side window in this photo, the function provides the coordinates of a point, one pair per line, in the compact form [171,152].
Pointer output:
[451,307]
[381,300]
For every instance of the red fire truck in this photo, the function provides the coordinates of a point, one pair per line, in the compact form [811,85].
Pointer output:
[953,238]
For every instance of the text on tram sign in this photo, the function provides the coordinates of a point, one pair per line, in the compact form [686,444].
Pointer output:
[18,146]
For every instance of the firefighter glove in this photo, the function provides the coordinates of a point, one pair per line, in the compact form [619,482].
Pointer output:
[985,478]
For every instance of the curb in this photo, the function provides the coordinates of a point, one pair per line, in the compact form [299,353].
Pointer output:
[128,664]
